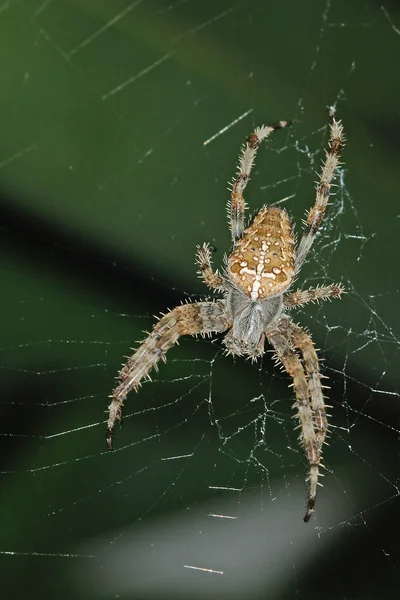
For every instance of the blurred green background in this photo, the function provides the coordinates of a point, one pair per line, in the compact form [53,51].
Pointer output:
[110,175]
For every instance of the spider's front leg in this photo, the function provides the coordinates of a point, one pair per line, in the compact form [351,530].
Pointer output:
[188,319]
[309,438]
[303,342]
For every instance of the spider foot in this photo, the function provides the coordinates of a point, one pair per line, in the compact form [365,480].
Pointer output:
[313,480]
[109,439]
[282,124]
[117,418]
[310,510]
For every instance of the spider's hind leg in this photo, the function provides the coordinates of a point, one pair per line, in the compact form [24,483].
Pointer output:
[237,204]
[329,170]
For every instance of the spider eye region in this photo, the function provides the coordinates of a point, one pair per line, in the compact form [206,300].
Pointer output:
[262,262]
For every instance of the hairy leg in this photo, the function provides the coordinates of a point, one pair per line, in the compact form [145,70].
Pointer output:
[237,204]
[211,278]
[188,319]
[308,437]
[302,340]
[316,214]
[313,295]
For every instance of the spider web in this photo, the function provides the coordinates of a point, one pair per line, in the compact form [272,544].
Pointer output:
[123,122]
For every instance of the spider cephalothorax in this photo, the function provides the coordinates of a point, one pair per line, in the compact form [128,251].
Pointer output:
[256,299]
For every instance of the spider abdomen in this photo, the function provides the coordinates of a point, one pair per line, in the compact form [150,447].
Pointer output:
[262,263]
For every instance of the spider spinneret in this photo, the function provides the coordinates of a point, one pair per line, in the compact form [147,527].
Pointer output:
[255,303]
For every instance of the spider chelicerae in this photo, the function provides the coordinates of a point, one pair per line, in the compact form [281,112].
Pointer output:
[256,300]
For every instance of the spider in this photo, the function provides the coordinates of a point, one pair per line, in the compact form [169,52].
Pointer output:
[256,300]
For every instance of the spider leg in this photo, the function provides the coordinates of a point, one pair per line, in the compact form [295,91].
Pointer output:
[316,214]
[188,319]
[211,278]
[302,340]
[237,204]
[302,297]
[309,438]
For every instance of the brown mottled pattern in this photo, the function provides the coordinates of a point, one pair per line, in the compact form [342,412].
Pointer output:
[262,262]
